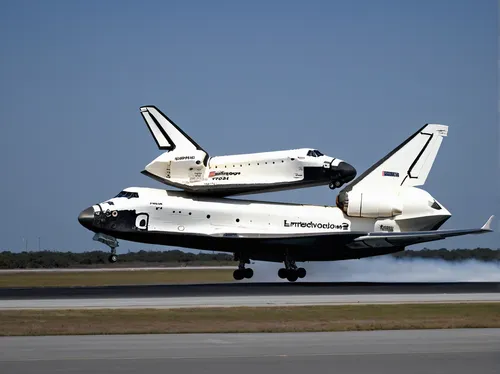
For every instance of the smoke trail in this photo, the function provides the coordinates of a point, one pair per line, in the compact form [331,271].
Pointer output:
[386,269]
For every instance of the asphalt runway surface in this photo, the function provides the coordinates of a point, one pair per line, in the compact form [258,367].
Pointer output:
[388,352]
[246,294]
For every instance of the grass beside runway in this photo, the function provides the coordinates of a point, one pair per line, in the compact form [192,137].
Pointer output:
[114,278]
[244,319]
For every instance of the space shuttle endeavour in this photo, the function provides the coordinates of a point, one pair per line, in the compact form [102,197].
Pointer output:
[186,165]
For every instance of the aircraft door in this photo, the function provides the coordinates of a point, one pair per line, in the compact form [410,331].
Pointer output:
[142,221]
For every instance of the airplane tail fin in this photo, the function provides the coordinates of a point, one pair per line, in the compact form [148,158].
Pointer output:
[407,165]
[167,134]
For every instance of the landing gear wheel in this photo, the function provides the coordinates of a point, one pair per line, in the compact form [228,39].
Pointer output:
[282,273]
[248,273]
[238,274]
[331,186]
[301,272]
[292,276]
[112,258]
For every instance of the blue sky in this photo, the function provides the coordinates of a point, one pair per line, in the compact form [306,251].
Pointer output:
[352,79]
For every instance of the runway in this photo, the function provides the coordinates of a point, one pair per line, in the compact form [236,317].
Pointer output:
[246,294]
[388,352]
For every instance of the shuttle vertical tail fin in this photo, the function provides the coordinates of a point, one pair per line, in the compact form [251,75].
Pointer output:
[167,134]
[407,165]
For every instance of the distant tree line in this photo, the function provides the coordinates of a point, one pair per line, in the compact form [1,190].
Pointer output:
[54,259]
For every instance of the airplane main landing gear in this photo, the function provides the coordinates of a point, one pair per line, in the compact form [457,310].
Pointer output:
[290,271]
[242,271]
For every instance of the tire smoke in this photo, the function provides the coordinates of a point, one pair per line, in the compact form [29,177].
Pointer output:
[386,269]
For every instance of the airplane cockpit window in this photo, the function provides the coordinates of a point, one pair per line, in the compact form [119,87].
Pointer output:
[128,195]
[318,153]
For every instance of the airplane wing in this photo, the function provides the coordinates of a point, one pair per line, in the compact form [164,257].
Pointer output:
[357,239]
[403,239]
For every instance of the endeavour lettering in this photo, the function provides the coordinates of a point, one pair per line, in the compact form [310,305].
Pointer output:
[314,225]
[180,158]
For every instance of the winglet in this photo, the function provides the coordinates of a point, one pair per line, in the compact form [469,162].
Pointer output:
[487,225]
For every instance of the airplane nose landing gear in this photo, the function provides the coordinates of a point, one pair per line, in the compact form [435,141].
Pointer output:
[111,242]
[334,184]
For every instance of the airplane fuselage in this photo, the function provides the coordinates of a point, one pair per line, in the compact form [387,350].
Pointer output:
[174,218]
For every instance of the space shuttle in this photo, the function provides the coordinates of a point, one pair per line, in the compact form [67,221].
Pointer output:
[186,165]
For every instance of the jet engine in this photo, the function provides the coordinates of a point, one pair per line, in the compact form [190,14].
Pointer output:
[370,204]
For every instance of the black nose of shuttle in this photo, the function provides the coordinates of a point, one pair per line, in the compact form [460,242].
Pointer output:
[86,218]
[346,171]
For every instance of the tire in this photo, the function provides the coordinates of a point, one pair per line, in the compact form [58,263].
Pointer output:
[292,277]
[331,186]
[248,273]
[337,183]
[238,275]
[301,272]
[113,259]
[282,273]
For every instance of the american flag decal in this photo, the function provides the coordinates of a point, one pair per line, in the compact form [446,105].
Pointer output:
[390,174]
[211,174]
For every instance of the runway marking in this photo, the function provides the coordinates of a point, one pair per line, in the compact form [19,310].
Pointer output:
[214,357]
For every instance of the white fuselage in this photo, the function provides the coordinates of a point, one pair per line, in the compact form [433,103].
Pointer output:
[244,173]
[178,212]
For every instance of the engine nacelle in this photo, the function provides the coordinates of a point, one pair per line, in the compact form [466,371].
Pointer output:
[370,204]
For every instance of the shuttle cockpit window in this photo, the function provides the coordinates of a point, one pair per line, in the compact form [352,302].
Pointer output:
[314,153]
[128,195]
[435,205]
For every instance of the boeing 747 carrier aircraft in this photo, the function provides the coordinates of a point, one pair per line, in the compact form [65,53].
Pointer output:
[187,166]
[380,212]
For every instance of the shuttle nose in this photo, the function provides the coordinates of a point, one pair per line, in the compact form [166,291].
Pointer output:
[346,171]
[86,218]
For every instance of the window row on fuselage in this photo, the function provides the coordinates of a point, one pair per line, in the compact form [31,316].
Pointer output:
[310,153]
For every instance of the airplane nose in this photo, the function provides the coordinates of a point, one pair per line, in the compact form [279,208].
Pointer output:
[86,218]
[347,171]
